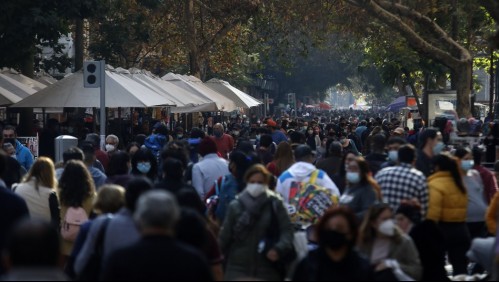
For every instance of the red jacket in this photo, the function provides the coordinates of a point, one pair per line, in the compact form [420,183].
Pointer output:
[489,182]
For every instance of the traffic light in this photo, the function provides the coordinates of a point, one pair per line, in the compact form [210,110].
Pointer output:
[291,99]
[92,74]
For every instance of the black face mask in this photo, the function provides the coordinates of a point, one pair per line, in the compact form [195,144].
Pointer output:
[333,240]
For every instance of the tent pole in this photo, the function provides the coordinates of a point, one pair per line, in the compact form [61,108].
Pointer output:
[103,103]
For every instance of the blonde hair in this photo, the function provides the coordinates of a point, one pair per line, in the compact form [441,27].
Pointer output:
[284,158]
[43,173]
[110,199]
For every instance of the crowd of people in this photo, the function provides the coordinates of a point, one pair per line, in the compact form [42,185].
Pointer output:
[336,198]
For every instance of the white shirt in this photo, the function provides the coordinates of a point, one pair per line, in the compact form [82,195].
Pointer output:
[207,172]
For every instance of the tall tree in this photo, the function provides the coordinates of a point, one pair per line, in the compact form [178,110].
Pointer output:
[428,38]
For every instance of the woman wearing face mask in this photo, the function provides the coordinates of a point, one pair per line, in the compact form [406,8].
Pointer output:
[448,206]
[245,238]
[340,179]
[145,164]
[362,190]
[313,139]
[477,207]
[392,254]
[336,258]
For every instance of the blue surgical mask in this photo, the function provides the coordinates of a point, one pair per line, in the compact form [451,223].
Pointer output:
[467,165]
[144,168]
[353,177]
[438,148]
[393,156]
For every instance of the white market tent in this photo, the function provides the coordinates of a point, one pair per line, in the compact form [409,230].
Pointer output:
[196,86]
[242,99]
[186,101]
[121,92]
[14,87]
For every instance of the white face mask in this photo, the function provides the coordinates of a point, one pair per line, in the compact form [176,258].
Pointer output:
[256,190]
[110,148]
[14,156]
[387,228]
[353,177]
[310,132]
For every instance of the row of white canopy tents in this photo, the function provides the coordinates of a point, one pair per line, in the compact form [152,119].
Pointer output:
[134,89]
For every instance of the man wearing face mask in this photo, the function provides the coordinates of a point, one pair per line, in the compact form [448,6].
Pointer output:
[24,155]
[336,258]
[225,142]
[404,182]
[393,146]
[431,144]
[112,143]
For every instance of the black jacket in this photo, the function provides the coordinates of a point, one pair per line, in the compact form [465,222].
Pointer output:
[157,258]
[317,266]
[12,209]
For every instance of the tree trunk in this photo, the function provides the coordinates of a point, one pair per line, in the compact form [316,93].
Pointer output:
[191,39]
[25,126]
[79,44]
[463,88]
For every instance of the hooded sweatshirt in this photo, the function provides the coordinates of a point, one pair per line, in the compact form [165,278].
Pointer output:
[301,173]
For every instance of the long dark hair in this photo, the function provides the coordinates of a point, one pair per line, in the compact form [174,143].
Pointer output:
[243,163]
[448,163]
[118,164]
[76,184]
[144,155]
[344,212]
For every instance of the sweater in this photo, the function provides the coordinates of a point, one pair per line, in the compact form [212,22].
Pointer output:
[359,199]
[38,201]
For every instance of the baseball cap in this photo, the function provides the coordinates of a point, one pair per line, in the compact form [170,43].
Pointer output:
[271,123]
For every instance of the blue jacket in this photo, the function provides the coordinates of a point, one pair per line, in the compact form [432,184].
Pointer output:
[24,156]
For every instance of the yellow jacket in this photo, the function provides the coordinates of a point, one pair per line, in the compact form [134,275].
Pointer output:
[491,218]
[447,202]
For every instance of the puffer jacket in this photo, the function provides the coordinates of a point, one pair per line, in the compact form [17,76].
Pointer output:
[243,259]
[447,202]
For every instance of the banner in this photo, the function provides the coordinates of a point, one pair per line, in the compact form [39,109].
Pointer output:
[31,143]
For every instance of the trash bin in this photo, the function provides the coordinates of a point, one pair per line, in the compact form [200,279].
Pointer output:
[62,144]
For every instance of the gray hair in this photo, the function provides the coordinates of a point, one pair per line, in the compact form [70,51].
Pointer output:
[114,137]
[157,209]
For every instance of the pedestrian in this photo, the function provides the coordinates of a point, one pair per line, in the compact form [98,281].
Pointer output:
[392,253]
[144,163]
[377,157]
[210,169]
[90,158]
[173,180]
[257,212]
[431,144]
[102,156]
[340,179]
[225,143]
[133,148]
[336,259]
[119,169]
[265,150]
[404,182]
[14,171]
[477,207]
[12,207]
[121,230]
[76,190]
[23,154]
[393,146]
[33,253]
[112,144]
[47,139]
[362,190]
[230,185]
[72,154]
[313,139]
[283,159]
[277,135]
[331,165]
[489,181]
[428,239]
[157,254]
[38,189]
[110,199]
[448,207]
[302,171]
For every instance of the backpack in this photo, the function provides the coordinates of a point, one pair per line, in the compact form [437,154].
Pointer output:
[308,201]
[73,220]
[226,190]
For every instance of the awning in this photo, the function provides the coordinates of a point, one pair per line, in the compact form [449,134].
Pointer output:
[241,99]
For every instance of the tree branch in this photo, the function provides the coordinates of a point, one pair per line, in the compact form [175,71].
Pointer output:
[425,21]
[415,40]
[492,6]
